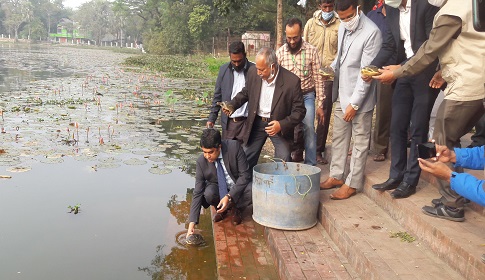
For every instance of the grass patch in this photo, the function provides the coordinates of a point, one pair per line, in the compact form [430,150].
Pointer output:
[184,67]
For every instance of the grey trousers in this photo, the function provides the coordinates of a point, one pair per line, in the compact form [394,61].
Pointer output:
[359,129]
[453,120]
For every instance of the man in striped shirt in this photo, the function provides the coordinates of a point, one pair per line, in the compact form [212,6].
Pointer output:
[303,60]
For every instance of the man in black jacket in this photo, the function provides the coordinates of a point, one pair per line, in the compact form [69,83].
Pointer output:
[413,99]
[230,81]
[222,179]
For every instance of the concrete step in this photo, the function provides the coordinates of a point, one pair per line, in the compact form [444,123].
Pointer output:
[308,254]
[362,232]
[458,244]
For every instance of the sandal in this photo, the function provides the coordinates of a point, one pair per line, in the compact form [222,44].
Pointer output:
[380,157]
[321,160]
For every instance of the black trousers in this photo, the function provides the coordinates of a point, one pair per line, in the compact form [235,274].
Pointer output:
[412,102]
[257,139]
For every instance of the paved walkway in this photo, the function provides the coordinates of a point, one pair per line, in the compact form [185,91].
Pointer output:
[241,250]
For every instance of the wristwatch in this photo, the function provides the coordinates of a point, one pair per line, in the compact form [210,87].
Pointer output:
[356,107]
[229,196]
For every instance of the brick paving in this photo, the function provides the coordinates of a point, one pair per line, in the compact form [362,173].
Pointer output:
[352,240]
[241,250]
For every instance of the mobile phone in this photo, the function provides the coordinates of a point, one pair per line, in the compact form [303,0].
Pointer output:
[478,10]
[426,150]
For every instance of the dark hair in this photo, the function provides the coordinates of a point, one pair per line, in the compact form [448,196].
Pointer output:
[293,21]
[210,138]
[237,47]
[320,2]
[342,5]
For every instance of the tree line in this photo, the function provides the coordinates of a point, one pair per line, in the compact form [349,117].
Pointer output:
[164,26]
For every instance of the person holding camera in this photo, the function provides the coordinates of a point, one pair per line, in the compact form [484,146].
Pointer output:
[464,184]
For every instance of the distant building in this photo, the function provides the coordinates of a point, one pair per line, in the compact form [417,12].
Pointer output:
[68,32]
[255,40]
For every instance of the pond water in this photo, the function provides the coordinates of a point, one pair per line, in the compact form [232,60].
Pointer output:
[79,130]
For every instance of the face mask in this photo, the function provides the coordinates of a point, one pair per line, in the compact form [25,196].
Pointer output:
[394,3]
[437,3]
[271,76]
[326,16]
[352,24]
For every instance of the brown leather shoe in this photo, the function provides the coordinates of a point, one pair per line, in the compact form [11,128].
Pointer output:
[343,193]
[331,183]
[297,156]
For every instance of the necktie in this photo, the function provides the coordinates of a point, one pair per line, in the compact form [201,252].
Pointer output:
[221,179]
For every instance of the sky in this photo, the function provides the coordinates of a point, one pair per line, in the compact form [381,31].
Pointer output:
[73,3]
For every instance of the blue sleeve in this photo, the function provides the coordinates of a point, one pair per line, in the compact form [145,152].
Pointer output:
[472,158]
[469,187]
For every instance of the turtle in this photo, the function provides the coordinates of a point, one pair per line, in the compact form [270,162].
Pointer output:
[226,106]
[326,72]
[195,239]
[370,71]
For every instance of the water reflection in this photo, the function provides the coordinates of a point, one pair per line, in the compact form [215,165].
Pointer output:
[86,131]
[174,265]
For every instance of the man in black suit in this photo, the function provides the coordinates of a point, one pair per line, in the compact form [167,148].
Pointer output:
[230,81]
[222,179]
[413,99]
[275,107]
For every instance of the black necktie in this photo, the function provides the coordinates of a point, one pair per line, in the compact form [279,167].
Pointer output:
[221,179]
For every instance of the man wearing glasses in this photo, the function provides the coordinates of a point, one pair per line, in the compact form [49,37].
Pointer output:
[302,59]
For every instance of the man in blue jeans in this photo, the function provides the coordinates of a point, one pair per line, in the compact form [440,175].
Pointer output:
[303,60]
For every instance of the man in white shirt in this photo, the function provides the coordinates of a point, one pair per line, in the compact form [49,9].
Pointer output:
[413,99]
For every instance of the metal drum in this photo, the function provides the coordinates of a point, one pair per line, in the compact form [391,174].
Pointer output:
[286,195]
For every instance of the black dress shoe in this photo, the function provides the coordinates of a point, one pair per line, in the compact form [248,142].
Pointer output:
[390,184]
[236,218]
[219,217]
[403,190]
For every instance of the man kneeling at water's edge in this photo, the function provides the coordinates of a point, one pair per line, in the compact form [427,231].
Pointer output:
[222,179]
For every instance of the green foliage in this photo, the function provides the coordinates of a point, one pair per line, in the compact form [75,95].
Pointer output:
[199,21]
[173,66]
[213,64]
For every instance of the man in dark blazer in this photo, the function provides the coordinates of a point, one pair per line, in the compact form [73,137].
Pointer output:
[275,107]
[411,22]
[230,81]
[236,174]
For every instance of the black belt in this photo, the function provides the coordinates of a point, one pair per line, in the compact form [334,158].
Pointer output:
[263,118]
[308,91]
[238,119]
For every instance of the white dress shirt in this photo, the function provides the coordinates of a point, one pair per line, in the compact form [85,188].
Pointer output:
[266,97]
[239,83]
[405,28]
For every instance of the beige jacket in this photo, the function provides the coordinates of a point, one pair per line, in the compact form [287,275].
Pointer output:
[322,36]
[463,62]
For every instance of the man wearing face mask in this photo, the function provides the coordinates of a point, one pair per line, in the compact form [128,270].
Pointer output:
[411,22]
[230,81]
[275,107]
[302,59]
[321,31]
[461,53]
[359,41]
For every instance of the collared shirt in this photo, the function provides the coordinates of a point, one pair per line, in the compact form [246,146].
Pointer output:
[444,30]
[305,64]
[229,181]
[266,97]
[405,28]
[239,82]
